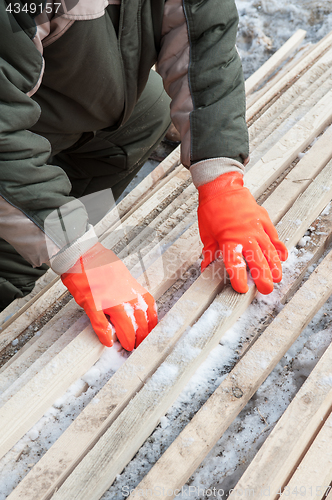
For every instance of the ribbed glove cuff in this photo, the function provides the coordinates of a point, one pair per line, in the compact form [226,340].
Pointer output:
[65,259]
[206,171]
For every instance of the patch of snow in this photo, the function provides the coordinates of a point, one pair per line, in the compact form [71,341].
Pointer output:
[303,241]
[326,210]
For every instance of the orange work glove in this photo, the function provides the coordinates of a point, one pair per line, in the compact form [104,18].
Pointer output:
[232,222]
[102,285]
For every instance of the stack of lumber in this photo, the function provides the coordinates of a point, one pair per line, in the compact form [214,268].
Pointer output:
[289,109]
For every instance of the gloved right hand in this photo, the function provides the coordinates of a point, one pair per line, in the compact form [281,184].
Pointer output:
[103,286]
[231,222]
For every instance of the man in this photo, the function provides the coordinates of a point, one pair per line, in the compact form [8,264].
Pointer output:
[80,111]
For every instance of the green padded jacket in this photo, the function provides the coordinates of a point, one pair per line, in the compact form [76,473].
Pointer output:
[62,54]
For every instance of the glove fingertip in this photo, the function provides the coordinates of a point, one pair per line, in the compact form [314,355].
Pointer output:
[277,277]
[106,342]
[265,291]
[281,251]
[106,336]
[240,287]
[101,327]
[152,312]
[284,255]
[127,344]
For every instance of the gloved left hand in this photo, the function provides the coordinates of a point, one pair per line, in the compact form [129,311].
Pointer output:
[103,286]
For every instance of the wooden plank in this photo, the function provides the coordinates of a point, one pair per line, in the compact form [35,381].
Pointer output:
[137,214]
[9,313]
[320,240]
[124,226]
[315,199]
[300,177]
[25,408]
[278,127]
[212,420]
[31,351]
[149,252]
[274,62]
[170,266]
[291,76]
[52,278]
[272,164]
[284,70]
[31,312]
[309,80]
[227,308]
[313,475]
[47,357]
[289,108]
[164,222]
[295,431]
[142,192]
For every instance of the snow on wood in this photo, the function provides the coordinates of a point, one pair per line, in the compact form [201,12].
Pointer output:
[110,458]
[289,441]
[315,471]
[29,404]
[201,434]
[318,241]
[39,343]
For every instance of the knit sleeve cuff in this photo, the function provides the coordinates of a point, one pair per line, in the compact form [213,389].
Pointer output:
[65,259]
[206,171]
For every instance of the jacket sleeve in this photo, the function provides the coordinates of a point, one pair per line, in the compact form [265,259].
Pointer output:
[31,191]
[202,73]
